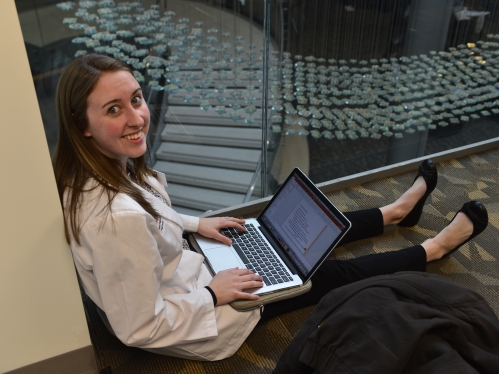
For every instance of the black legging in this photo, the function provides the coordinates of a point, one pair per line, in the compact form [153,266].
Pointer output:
[336,273]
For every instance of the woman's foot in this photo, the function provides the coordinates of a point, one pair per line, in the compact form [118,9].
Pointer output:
[469,221]
[407,209]
[398,210]
[428,171]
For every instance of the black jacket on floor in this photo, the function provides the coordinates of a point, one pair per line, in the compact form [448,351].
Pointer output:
[409,322]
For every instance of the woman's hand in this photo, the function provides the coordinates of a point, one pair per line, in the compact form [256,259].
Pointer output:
[210,227]
[229,285]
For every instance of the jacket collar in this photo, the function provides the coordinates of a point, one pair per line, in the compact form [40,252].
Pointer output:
[159,183]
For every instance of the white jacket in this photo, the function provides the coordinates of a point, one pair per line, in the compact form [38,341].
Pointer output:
[152,290]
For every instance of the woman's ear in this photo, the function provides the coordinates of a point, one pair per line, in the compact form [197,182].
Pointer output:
[86,133]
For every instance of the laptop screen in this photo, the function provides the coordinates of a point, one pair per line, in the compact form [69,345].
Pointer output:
[304,222]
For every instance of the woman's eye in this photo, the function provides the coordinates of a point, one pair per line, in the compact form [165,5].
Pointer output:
[113,110]
[137,99]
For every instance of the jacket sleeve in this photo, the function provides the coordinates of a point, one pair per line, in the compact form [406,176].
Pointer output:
[129,270]
[191,224]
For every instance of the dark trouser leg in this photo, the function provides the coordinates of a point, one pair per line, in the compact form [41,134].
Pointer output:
[334,273]
[365,224]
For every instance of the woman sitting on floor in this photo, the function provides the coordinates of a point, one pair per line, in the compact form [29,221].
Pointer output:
[127,240]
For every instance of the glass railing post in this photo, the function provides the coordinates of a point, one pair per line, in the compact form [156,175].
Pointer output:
[265,92]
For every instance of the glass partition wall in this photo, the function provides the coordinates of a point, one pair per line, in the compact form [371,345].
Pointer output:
[242,91]
[372,83]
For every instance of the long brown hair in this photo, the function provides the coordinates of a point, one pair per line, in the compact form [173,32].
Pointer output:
[76,157]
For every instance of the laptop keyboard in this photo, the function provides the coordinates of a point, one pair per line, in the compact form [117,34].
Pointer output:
[257,255]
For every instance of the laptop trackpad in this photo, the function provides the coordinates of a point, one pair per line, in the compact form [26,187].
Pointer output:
[222,258]
[207,243]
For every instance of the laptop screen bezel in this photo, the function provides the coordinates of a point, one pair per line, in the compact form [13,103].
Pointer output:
[338,214]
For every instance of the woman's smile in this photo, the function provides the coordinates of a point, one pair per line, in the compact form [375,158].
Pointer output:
[135,136]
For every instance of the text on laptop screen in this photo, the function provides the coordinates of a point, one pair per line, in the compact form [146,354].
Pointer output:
[302,224]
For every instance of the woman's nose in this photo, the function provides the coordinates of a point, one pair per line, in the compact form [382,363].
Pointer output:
[134,117]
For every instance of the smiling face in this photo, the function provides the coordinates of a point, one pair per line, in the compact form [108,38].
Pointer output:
[118,117]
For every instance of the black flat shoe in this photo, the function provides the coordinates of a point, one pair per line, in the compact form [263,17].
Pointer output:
[477,214]
[428,171]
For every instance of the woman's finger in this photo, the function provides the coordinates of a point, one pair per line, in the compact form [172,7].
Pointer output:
[244,271]
[246,295]
[221,238]
[251,278]
[252,285]
[235,224]
[233,219]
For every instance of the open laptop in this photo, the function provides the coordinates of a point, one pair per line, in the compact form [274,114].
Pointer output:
[300,227]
